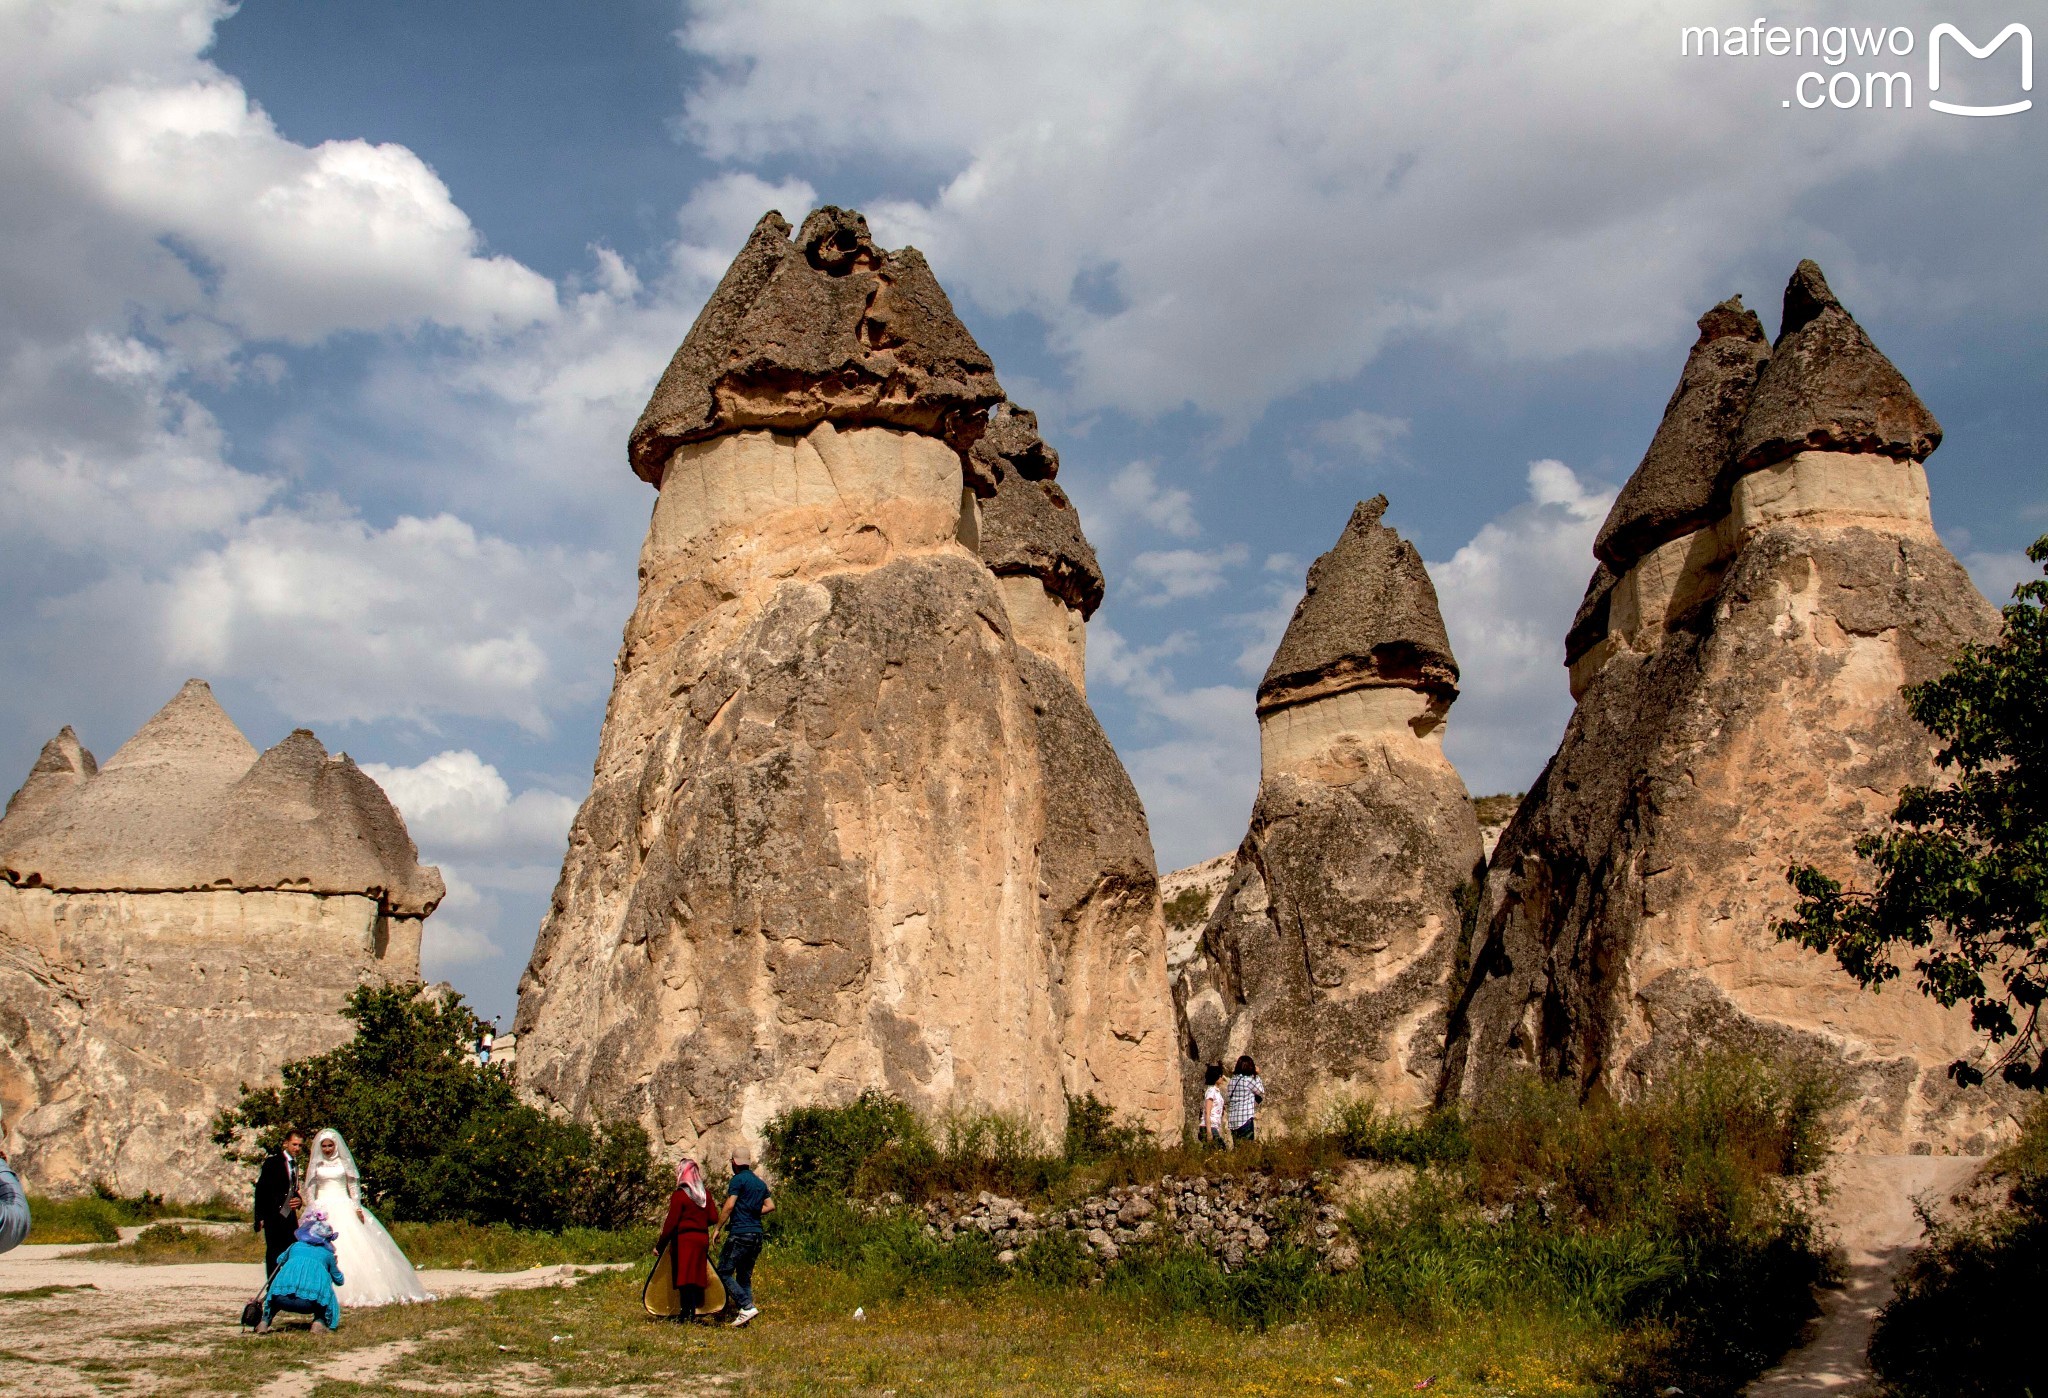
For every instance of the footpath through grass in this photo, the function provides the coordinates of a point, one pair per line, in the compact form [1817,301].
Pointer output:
[492,1248]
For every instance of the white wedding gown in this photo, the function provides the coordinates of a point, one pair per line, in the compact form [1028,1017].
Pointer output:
[375,1271]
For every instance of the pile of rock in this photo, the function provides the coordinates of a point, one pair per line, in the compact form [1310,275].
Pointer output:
[1232,1219]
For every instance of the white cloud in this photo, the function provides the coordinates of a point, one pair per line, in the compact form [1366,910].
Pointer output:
[1175,575]
[1198,773]
[1508,597]
[336,619]
[1134,495]
[1367,436]
[457,801]
[1997,574]
[137,170]
[1272,196]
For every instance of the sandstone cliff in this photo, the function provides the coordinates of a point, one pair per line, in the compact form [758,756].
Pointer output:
[1328,957]
[177,923]
[853,823]
[1766,583]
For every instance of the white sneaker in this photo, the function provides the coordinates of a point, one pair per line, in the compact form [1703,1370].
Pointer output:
[744,1316]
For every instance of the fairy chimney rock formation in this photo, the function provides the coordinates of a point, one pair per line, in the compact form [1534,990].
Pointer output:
[180,922]
[1767,581]
[853,824]
[1029,535]
[1329,954]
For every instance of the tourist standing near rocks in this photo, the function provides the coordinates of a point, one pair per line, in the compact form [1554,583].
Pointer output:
[1241,1102]
[746,1200]
[686,1236]
[277,1198]
[1210,1131]
[14,1219]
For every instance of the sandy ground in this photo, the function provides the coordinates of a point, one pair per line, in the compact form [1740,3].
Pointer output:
[86,1341]
[1869,1210]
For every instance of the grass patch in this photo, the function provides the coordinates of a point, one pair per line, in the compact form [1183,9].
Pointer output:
[43,1293]
[1657,1224]
[100,1216]
[1964,1320]
[484,1248]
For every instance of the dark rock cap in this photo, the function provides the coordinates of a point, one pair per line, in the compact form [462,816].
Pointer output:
[827,327]
[1369,617]
[1028,526]
[1672,492]
[1828,388]
[1011,437]
[1589,625]
[187,804]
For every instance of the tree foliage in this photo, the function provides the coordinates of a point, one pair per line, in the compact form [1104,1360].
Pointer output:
[438,1136]
[1962,869]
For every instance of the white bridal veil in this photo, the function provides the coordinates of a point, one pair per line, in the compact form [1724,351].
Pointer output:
[341,1152]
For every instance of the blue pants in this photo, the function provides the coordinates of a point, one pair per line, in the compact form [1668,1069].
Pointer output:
[736,1267]
[328,1311]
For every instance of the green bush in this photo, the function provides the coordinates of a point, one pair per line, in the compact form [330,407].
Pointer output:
[1364,1130]
[1094,1133]
[822,1149]
[436,1136]
[100,1216]
[1962,1324]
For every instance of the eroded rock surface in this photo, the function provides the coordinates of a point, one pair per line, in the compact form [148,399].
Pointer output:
[1329,955]
[178,923]
[853,824]
[1738,710]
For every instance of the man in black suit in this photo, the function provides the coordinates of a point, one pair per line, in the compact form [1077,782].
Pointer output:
[277,1198]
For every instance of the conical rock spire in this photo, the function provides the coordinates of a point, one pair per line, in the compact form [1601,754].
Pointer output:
[1828,388]
[1028,525]
[827,327]
[1674,490]
[1369,616]
[187,804]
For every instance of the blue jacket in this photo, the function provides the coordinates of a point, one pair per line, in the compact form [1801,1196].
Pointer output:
[14,1221]
[308,1272]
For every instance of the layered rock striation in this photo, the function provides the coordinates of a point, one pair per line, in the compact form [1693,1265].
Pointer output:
[1767,582]
[853,823]
[1329,955]
[178,923]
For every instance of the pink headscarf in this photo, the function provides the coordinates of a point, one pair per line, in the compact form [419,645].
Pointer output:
[689,1177]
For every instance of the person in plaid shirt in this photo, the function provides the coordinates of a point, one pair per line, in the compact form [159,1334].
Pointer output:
[1241,1103]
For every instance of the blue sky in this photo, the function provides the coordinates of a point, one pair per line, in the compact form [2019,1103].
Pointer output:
[321,328]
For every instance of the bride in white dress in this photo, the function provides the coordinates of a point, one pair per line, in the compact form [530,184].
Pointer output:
[376,1271]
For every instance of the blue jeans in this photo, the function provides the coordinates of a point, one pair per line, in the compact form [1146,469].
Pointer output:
[736,1267]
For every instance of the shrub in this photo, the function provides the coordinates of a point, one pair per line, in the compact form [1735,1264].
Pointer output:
[1094,1133]
[1364,1130]
[1187,908]
[1962,1323]
[823,1148]
[436,1136]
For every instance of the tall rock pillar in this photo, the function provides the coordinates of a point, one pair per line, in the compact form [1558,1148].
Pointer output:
[1329,955]
[1767,581]
[833,840]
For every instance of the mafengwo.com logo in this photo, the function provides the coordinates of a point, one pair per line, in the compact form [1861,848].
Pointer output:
[1850,55]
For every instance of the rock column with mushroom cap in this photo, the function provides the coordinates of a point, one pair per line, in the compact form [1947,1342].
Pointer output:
[178,923]
[1329,955]
[848,829]
[1767,581]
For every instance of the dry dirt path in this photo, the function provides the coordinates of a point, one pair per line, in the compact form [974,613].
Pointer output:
[97,1319]
[1869,1210]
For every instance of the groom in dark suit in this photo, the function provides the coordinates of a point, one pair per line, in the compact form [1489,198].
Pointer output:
[277,1198]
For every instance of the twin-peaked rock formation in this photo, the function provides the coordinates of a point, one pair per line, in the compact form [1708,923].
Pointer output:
[1767,581]
[1329,955]
[180,922]
[853,823]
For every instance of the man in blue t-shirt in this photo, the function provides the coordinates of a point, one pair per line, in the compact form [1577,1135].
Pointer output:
[746,1200]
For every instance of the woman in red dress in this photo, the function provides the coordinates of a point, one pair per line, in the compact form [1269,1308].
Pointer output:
[688,1225]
